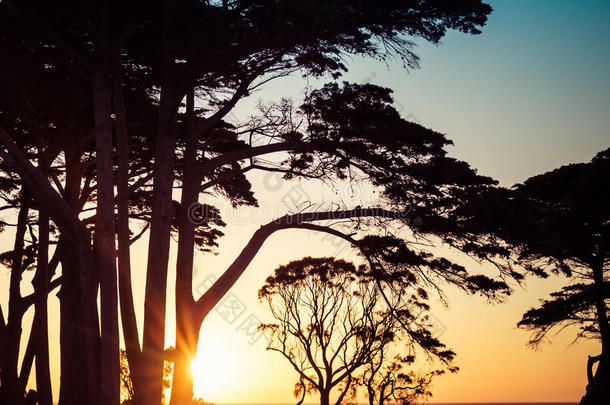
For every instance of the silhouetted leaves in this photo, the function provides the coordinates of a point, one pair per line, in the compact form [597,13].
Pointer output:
[572,203]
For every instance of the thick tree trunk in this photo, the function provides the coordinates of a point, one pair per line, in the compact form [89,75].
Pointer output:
[40,325]
[9,391]
[79,332]
[153,343]
[182,385]
[73,366]
[128,315]
[187,337]
[158,249]
[598,389]
[325,397]
[79,325]
[73,377]
[187,328]
[105,253]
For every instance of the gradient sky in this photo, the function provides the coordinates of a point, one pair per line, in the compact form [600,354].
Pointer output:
[529,94]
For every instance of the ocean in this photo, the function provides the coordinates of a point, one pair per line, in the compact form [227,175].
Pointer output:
[428,403]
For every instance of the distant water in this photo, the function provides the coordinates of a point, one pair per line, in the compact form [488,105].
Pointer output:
[503,403]
[429,403]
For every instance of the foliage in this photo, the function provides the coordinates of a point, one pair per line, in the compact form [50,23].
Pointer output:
[571,237]
[338,331]
[574,202]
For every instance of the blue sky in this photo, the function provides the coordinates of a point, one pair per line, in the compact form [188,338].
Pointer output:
[530,93]
[527,95]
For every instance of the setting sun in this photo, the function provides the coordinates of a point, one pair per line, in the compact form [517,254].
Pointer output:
[215,369]
[211,373]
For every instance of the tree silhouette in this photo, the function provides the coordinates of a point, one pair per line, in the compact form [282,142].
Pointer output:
[337,332]
[386,380]
[574,239]
[124,102]
[26,256]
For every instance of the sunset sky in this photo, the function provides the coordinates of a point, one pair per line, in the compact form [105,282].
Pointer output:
[529,94]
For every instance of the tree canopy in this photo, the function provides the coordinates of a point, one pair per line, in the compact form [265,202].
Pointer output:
[572,206]
[341,333]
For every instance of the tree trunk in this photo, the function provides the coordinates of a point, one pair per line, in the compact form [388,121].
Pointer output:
[325,397]
[598,389]
[128,315]
[187,328]
[40,325]
[158,249]
[187,337]
[105,254]
[371,394]
[79,325]
[346,389]
[182,383]
[28,360]
[9,391]
[2,341]
[161,217]
[73,377]
[83,307]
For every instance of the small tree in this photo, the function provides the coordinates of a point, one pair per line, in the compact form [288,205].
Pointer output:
[331,324]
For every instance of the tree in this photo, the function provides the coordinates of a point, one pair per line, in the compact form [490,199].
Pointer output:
[10,387]
[128,101]
[574,239]
[337,332]
[25,256]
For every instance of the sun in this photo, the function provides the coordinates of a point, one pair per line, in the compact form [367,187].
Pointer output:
[213,370]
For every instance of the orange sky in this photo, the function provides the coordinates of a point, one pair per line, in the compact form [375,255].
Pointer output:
[494,361]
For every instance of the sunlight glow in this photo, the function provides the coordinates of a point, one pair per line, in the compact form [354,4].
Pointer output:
[213,371]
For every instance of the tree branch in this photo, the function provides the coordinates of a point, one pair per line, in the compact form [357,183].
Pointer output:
[40,189]
[240,154]
[215,293]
